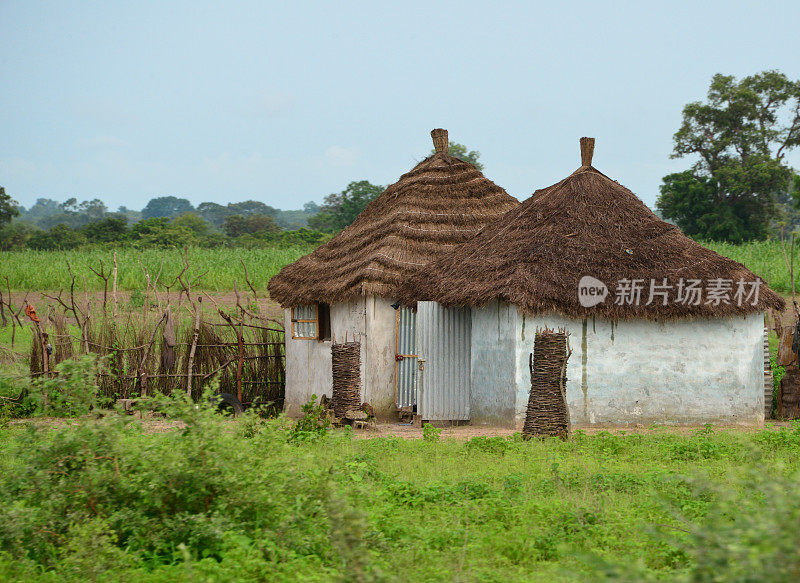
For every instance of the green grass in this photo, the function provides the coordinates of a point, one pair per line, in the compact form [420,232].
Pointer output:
[764,258]
[47,270]
[236,501]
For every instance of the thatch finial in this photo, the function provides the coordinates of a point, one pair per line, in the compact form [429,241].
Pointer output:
[440,143]
[587,150]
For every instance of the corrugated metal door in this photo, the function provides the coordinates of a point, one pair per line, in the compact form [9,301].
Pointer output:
[405,372]
[443,340]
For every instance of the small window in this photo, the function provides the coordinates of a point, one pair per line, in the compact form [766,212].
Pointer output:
[311,322]
[324,311]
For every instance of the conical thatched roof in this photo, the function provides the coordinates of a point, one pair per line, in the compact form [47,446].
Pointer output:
[439,204]
[586,225]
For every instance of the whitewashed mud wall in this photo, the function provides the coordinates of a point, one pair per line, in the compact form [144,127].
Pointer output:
[380,363]
[308,362]
[694,371]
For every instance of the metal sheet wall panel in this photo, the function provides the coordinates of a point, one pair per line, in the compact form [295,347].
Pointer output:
[407,367]
[443,340]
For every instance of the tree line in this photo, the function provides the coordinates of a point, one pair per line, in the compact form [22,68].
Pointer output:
[170,221]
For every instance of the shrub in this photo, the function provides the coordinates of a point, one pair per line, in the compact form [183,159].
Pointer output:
[14,396]
[71,391]
[313,424]
[431,433]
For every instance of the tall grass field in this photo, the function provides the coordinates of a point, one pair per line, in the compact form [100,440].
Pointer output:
[220,268]
[765,259]
[47,270]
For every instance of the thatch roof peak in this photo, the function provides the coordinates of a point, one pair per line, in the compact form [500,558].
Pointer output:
[586,225]
[439,204]
[587,151]
[441,143]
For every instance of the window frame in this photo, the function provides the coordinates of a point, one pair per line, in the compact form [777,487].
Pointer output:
[306,321]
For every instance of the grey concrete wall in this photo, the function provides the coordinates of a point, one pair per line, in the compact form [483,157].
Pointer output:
[492,368]
[308,362]
[697,371]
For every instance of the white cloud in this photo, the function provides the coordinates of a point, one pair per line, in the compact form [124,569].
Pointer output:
[341,156]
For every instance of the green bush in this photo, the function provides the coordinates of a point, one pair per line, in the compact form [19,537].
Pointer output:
[313,424]
[71,391]
[431,433]
[15,399]
[221,499]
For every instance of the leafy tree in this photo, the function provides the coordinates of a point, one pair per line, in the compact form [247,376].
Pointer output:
[214,213]
[14,236]
[8,207]
[252,207]
[149,227]
[160,232]
[193,222]
[238,225]
[94,209]
[132,215]
[59,237]
[166,206]
[43,207]
[341,209]
[740,136]
[71,213]
[108,230]
[461,152]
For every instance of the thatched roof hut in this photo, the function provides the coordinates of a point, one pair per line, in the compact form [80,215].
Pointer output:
[439,204]
[585,225]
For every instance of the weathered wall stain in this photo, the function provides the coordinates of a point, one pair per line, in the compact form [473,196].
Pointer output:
[584,371]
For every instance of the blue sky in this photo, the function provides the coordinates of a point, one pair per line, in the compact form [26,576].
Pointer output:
[287,102]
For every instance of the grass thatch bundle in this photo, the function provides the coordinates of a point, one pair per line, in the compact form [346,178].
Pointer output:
[586,225]
[439,204]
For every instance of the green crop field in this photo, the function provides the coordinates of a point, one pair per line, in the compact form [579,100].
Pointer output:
[249,500]
[220,268]
[47,270]
[765,259]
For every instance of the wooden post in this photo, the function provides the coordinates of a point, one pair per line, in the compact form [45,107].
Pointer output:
[114,285]
[190,362]
[240,343]
[142,373]
[240,364]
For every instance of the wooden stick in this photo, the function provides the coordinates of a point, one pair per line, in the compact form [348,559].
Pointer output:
[196,333]
[114,285]
[240,364]
[141,371]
